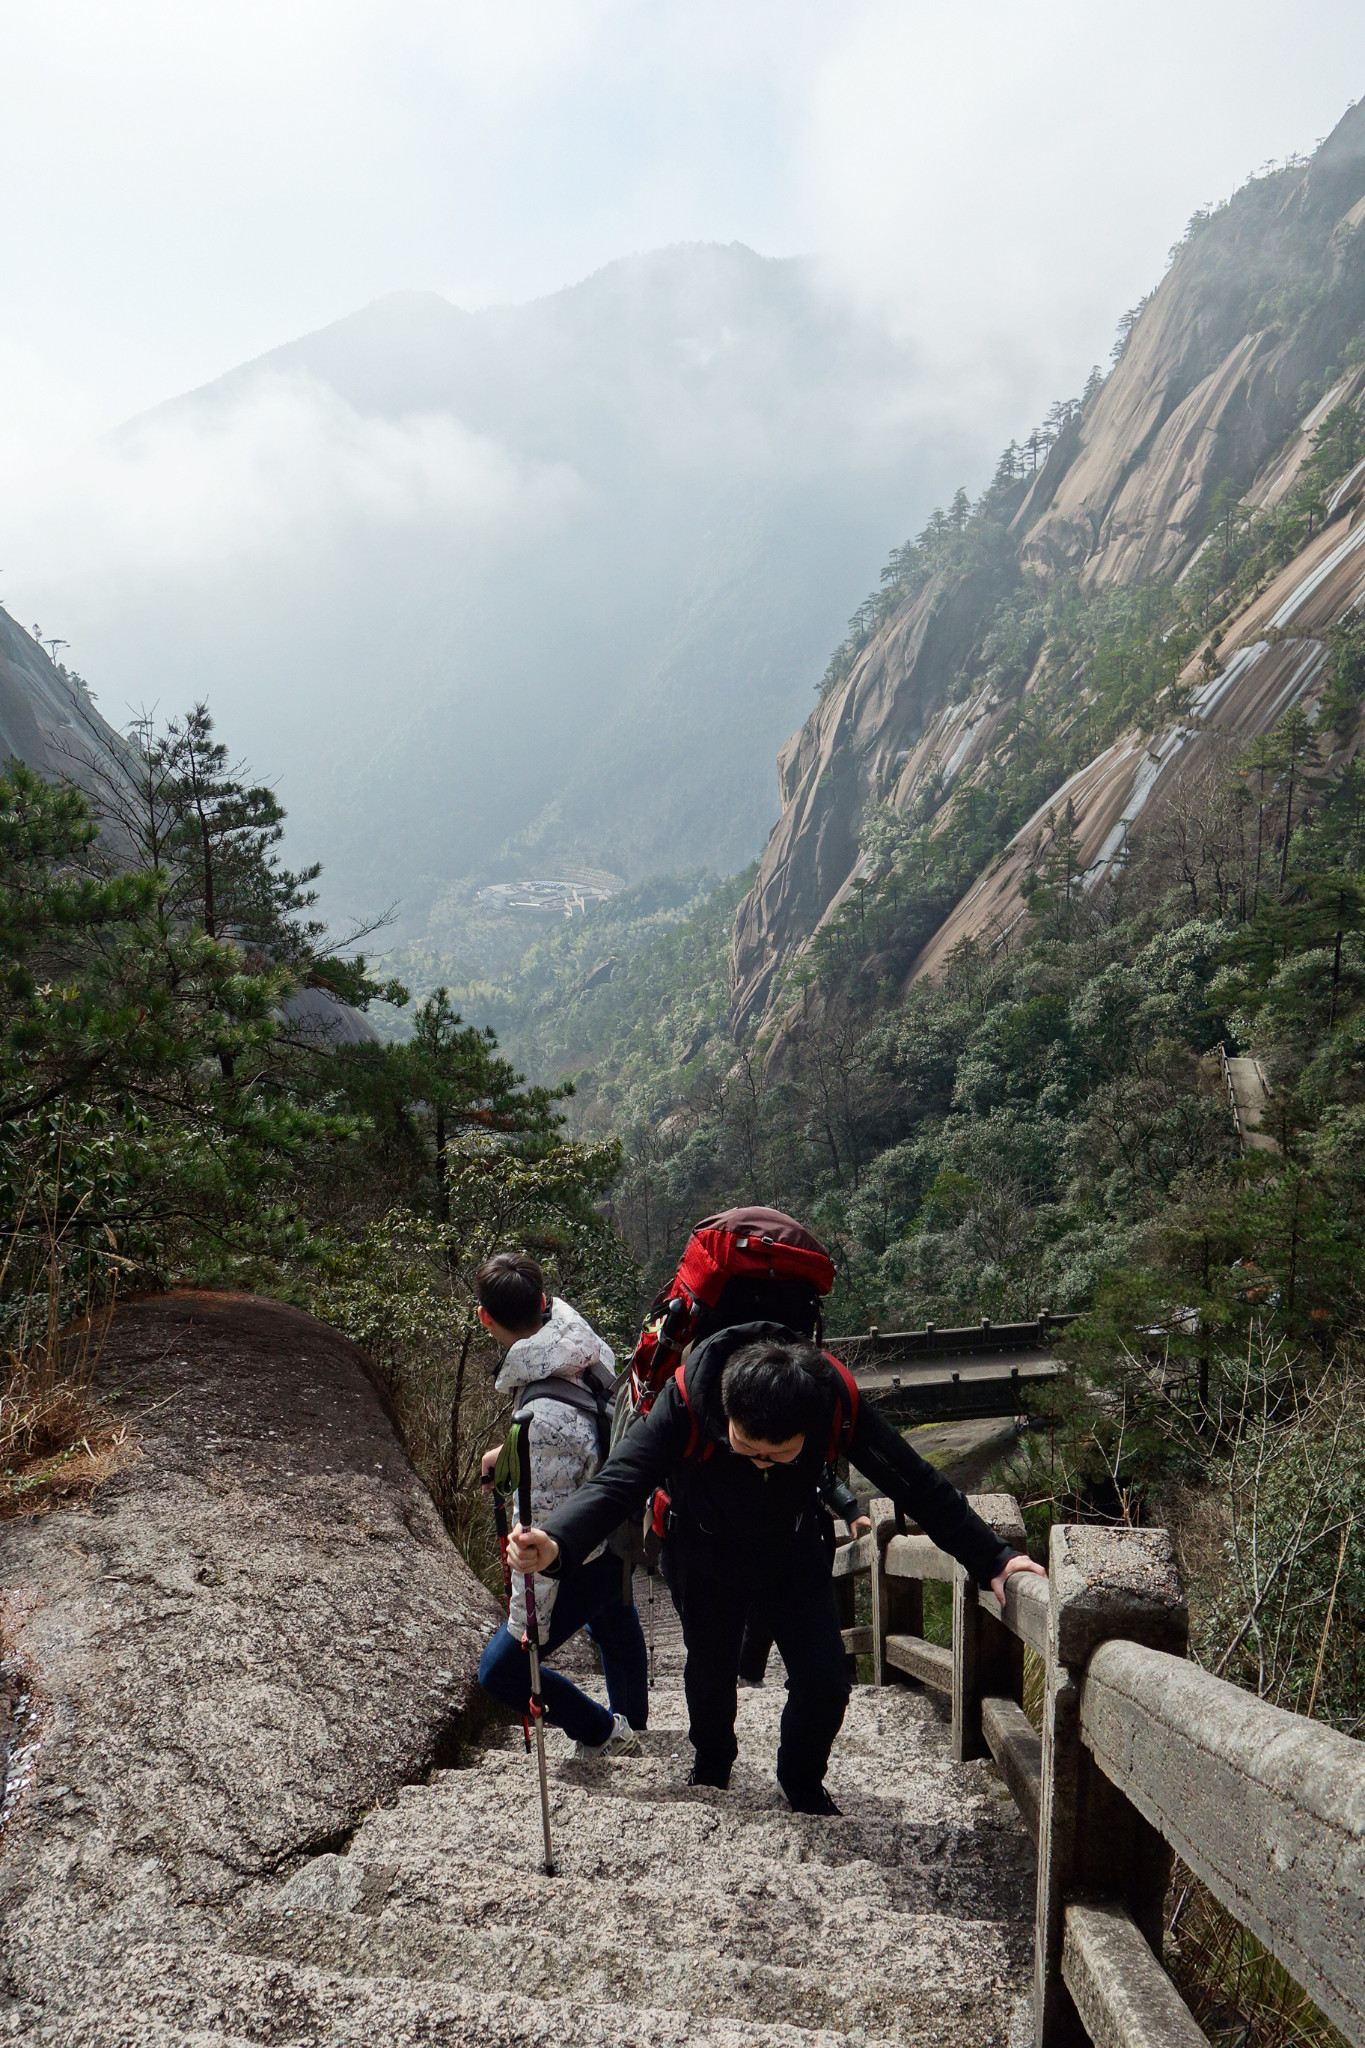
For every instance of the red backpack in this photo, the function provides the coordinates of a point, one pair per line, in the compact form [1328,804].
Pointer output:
[745,1265]
[756,1257]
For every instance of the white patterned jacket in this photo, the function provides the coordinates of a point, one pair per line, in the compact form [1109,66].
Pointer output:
[563,1440]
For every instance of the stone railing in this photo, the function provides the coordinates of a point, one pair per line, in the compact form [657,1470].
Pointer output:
[1141,1756]
[1230,1091]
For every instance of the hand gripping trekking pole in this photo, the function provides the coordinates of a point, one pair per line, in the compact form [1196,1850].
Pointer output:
[533,1650]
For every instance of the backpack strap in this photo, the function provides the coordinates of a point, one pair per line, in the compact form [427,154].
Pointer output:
[578,1395]
[845,1419]
[692,1453]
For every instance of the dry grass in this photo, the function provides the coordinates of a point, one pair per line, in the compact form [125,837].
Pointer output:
[28,1489]
[1238,1993]
[55,1442]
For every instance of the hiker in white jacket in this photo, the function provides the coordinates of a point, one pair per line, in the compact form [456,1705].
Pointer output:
[560,1369]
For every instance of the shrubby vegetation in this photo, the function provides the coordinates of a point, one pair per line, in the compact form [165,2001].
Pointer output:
[168,1115]
[1047,1125]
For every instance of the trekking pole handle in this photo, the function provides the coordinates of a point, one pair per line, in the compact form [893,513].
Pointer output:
[500,1523]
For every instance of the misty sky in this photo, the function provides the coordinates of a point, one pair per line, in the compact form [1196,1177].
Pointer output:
[984,187]
[186,186]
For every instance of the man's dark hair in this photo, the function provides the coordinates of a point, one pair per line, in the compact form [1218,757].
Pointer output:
[777,1391]
[511,1287]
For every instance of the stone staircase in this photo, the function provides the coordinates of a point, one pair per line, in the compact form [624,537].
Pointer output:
[676,1915]
[260,1631]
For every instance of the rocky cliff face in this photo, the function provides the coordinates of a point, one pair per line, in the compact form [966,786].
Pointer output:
[1259,300]
[875,737]
[254,1632]
[1208,383]
[48,719]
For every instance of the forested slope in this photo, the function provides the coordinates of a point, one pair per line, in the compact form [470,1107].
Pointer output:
[1065,821]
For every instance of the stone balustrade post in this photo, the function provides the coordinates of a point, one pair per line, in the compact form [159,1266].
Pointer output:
[1091,1841]
[987,1659]
[883,1517]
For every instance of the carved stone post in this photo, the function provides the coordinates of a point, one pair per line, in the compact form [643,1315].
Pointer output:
[902,1600]
[845,1599]
[987,1659]
[883,1518]
[1104,1583]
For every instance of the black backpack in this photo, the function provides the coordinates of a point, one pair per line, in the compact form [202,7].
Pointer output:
[588,1400]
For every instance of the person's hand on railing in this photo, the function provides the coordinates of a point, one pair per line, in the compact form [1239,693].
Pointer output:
[531,1550]
[1010,1567]
[861,1525]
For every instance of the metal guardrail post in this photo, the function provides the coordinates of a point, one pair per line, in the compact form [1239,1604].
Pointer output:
[1104,1583]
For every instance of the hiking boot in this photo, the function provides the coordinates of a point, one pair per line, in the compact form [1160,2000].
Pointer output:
[623,1741]
[808,1800]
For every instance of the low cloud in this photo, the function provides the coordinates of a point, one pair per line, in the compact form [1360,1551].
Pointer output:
[283,465]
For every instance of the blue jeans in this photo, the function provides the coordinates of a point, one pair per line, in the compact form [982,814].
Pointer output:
[591,1598]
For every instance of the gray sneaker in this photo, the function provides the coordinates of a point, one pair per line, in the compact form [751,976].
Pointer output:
[623,1741]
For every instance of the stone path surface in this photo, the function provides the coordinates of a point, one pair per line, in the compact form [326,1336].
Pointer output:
[1251,1093]
[676,1916]
[177,1885]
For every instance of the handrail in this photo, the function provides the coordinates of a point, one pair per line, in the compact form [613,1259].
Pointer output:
[1141,1753]
[1268,1808]
[933,1342]
[1232,1093]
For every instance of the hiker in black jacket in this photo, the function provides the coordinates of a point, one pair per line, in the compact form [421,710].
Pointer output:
[741,1445]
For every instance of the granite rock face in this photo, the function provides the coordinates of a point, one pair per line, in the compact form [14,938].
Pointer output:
[1207,390]
[875,736]
[48,719]
[255,1631]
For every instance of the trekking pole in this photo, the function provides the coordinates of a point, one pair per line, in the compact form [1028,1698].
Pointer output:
[650,1577]
[533,1651]
[500,1520]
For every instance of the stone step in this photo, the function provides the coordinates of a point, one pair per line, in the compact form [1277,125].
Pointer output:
[627,1842]
[885,1972]
[680,1917]
[899,1922]
[172,1997]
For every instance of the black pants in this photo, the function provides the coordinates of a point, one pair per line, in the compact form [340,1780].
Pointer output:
[758,1629]
[798,1603]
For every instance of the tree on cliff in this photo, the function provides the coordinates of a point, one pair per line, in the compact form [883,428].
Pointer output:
[446,1083]
[144,1105]
[209,836]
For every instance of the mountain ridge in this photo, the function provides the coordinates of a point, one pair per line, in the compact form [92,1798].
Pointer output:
[601,522]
